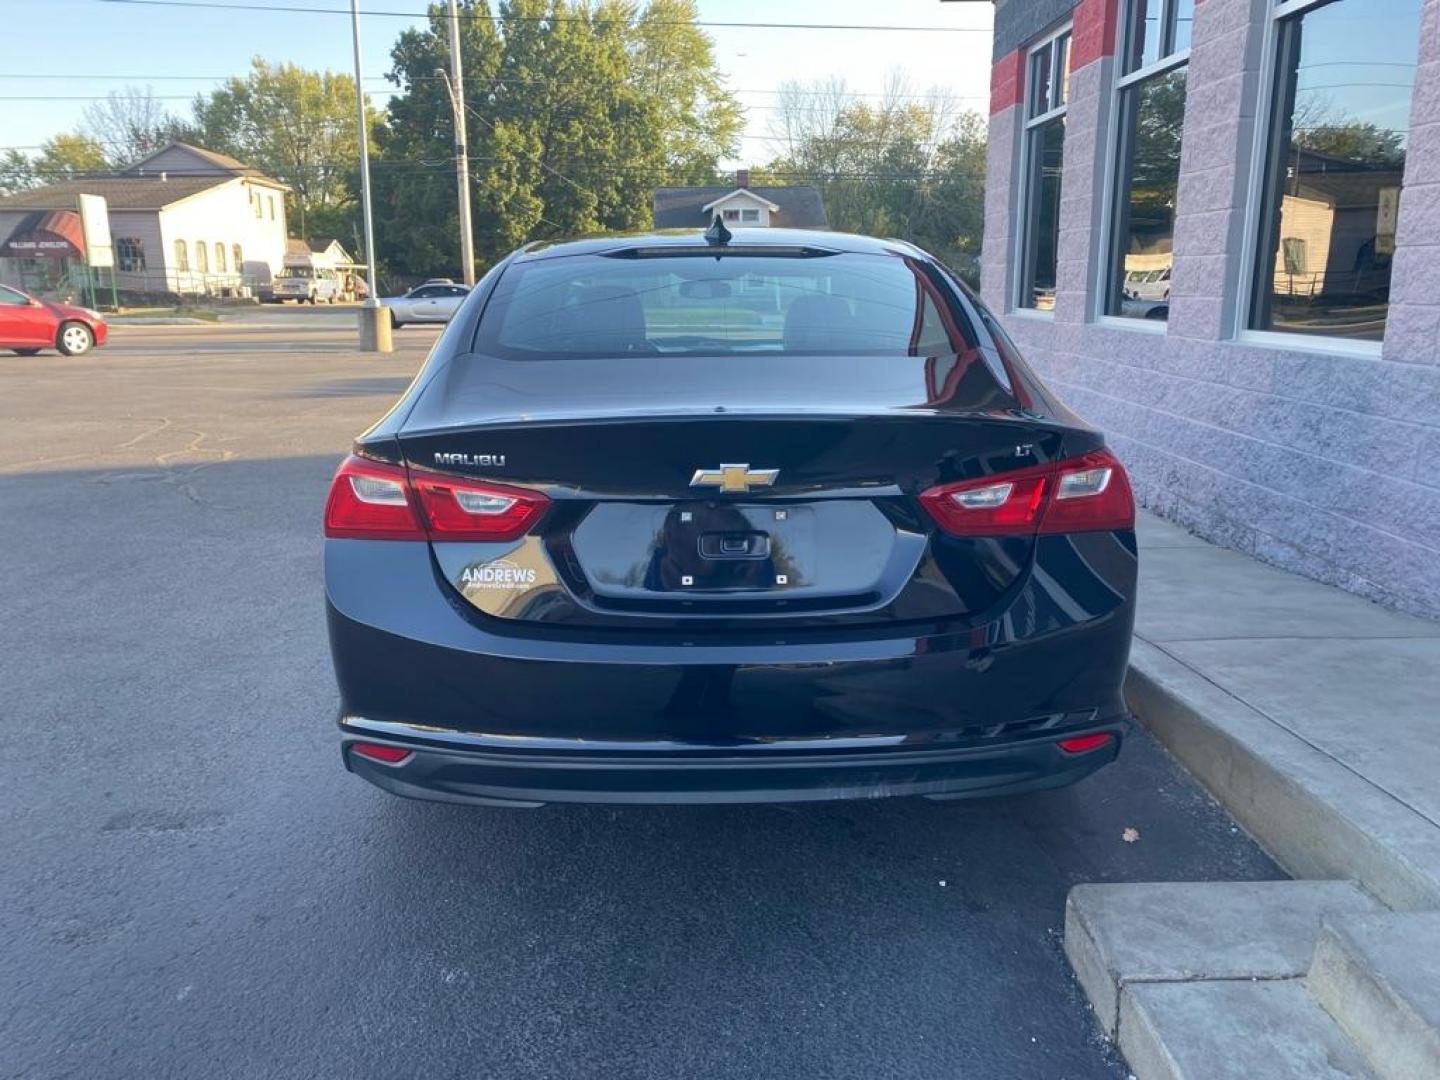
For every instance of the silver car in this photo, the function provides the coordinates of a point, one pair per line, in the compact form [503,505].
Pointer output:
[432,302]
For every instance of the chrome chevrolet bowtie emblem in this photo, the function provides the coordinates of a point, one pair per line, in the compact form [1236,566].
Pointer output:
[734,478]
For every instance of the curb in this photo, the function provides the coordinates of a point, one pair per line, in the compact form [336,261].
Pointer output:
[1314,816]
[166,320]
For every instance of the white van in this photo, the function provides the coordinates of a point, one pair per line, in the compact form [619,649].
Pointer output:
[306,283]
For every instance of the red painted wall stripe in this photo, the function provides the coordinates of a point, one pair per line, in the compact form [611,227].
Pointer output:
[1007,81]
[1094,35]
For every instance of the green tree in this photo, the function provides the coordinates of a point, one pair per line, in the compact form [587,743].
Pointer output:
[68,155]
[61,157]
[297,126]
[905,165]
[17,172]
[674,63]
[575,112]
[1354,140]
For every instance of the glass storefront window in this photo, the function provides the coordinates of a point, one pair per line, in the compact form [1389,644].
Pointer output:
[1338,135]
[1152,117]
[1044,161]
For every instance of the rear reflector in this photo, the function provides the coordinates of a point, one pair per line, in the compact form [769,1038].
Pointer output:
[1083,743]
[1086,493]
[374,500]
[390,755]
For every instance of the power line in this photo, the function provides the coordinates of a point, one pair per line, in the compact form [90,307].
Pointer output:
[440,167]
[501,80]
[480,17]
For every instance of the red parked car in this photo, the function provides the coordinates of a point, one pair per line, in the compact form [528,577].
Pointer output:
[29,324]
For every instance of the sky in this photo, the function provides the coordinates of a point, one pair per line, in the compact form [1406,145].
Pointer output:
[84,48]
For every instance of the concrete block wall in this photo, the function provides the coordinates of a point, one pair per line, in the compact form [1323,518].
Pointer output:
[1319,460]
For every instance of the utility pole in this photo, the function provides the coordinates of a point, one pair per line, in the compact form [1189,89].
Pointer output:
[375,324]
[455,87]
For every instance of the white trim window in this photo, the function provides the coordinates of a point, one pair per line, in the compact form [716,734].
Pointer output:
[1150,104]
[1047,94]
[1332,161]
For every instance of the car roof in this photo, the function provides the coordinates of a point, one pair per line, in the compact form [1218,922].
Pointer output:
[740,237]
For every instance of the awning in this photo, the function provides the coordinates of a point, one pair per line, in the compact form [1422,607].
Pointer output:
[46,234]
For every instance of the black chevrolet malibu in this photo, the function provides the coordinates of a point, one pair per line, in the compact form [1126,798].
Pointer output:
[747,517]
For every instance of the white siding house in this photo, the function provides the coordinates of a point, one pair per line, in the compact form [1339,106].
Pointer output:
[183,220]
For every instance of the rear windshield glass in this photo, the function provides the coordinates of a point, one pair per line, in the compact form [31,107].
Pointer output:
[701,305]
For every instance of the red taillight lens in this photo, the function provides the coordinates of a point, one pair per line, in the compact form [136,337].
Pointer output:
[371,500]
[1081,744]
[464,510]
[1086,493]
[1003,505]
[1092,493]
[390,755]
[374,500]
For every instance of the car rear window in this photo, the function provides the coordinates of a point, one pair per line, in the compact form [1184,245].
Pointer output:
[709,305]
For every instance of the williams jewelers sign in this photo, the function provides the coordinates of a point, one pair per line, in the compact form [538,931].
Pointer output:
[48,234]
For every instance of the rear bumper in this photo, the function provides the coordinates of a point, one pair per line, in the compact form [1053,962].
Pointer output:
[491,716]
[465,768]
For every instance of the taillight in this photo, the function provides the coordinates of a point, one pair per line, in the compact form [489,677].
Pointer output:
[374,500]
[1086,493]
[1092,493]
[463,510]
[371,500]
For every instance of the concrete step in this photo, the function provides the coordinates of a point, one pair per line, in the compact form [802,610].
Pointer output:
[1121,936]
[1234,1030]
[1379,977]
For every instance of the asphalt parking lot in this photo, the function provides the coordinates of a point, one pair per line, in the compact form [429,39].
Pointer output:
[193,887]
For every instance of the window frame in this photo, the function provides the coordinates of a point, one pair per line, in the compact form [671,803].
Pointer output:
[1030,126]
[1118,151]
[130,254]
[1266,103]
[182,255]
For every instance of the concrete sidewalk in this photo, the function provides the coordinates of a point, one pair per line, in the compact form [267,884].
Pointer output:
[1312,714]
[1314,717]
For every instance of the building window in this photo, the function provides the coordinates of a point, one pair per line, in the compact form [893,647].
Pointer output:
[271,200]
[239,258]
[129,253]
[730,215]
[182,256]
[1047,92]
[202,257]
[219,257]
[751,216]
[1151,108]
[1338,129]
[255,202]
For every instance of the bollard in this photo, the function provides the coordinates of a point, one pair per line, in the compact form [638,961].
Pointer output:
[375,328]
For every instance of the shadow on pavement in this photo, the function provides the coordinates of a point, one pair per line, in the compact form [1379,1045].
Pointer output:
[196,887]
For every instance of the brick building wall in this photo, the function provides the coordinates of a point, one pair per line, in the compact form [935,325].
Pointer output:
[1315,456]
